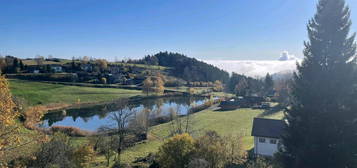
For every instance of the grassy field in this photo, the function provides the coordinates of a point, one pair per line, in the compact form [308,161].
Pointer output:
[44,93]
[33,62]
[235,122]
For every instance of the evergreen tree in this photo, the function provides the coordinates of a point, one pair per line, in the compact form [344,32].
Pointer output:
[22,67]
[268,84]
[322,128]
[15,65]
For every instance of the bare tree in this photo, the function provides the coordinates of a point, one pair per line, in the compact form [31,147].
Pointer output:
[39,60]
[121,117]
[105,143]
[142,121]
[180,124]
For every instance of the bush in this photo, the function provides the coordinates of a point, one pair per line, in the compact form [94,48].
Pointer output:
[83,155]
[191,91]
[56,152]
[33,116]
[211,148]
[198,163]
[70,131]
[260,163]
[103,80]
[176,152]
[59,152]
[117,164]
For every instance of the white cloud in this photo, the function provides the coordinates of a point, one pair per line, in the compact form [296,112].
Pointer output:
[286,63]
[285,56]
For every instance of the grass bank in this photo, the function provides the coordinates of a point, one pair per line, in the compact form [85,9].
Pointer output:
[235,122]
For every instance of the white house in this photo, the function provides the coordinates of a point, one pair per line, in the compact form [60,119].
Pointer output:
[267,136]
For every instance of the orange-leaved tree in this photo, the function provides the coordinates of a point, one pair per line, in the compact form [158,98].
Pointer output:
[8,114]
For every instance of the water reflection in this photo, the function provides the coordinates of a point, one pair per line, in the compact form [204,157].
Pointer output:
[91,118]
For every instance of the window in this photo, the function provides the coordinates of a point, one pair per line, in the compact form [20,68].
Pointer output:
[273,141]
[262,140]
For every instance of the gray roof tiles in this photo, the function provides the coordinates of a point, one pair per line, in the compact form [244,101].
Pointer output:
[268,128]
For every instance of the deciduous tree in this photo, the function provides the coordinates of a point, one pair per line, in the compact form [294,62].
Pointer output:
[218,86]
[121,118]
[176,152]
[241,87]
[9,137]
[147,85]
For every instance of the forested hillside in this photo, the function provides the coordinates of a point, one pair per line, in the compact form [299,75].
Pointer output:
[189,69]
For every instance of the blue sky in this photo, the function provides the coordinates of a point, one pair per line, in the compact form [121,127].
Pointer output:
[204,29]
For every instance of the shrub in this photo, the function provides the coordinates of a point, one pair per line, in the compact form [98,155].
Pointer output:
[59,152]
[70,131]
[83,155]
[191,91]
[198,163]
[33,116]
[56,152]
[117,164]
[211,148]
[260,163]
[103,80]
[176,152]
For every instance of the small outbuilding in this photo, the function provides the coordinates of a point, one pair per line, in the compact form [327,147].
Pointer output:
[267,136]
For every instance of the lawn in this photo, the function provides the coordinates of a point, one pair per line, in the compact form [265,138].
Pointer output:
[235,122]
[36,93]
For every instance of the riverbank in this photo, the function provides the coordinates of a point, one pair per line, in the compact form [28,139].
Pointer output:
[159,106]
[59,96]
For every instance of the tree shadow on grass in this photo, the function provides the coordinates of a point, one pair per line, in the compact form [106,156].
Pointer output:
[272,110]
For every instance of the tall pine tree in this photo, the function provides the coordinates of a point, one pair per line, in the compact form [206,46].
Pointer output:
[268,85]
[322,129]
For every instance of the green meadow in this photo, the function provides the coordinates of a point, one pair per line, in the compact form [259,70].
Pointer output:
[40,93]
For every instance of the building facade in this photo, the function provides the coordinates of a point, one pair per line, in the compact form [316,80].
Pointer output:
[267,136]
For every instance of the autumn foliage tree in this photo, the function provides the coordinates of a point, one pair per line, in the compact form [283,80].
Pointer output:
[154,84]
[159,85]
[147,85]
[218,86]
[8,129]
[176,152]
[209,151]
[103,64]
[83,155]
[159,82]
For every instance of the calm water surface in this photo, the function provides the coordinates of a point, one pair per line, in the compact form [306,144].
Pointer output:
[91,118]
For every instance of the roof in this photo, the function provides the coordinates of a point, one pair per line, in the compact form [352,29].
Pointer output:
[268,128]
